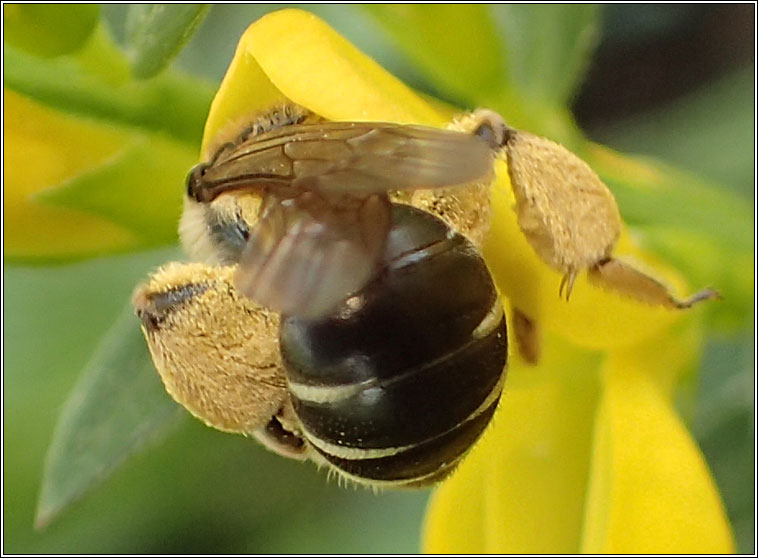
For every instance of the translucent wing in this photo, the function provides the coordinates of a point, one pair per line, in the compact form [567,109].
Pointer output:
[348,158]
[326,215]
[306,255]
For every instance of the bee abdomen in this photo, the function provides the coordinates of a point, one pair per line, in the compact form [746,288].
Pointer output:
[416,464]
[397,385]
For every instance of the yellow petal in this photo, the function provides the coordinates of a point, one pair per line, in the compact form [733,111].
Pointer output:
[316,67]
[669,356]
[650,488]
[522,488]
[455,517]
[593,317]
[292,54]
[244,91]
[43,148]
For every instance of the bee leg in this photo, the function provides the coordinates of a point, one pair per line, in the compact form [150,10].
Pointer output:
[527,334]
[282,434]
[215,350]
[623,278]
[567,284]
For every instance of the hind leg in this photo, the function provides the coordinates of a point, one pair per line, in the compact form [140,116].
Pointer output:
[624,278]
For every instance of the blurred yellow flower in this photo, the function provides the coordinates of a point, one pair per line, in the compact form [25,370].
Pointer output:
[586,453]
[43,149]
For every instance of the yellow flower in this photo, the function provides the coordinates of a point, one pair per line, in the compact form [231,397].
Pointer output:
[586,452]
[89,155]
[75,186]
[42,149]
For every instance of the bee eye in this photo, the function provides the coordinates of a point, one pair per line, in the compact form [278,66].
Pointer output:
[229,235]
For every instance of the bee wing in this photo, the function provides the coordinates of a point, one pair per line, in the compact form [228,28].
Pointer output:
[306,255]
[383,157]
[355,158]
[327,216]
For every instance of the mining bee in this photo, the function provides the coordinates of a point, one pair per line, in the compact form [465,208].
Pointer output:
[343,312]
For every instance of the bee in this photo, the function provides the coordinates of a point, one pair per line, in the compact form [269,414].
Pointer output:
[342,312]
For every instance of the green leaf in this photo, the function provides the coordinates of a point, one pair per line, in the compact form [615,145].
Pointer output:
[725,428]
[708,132]
[117,407]
[703,230]
[455,46]
[650,192]
[49,29]
[524,61]
[88,138]
[547,47]
[139,189]
[157,32]
[708,263]
[173,103]
[76,187]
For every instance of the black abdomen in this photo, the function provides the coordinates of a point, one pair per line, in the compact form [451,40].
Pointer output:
[400,381]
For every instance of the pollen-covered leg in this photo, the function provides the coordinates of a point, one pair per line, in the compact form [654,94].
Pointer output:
[566,213]
[624,278]
[216,351]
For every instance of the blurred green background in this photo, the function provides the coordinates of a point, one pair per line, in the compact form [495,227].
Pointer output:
[675,82]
